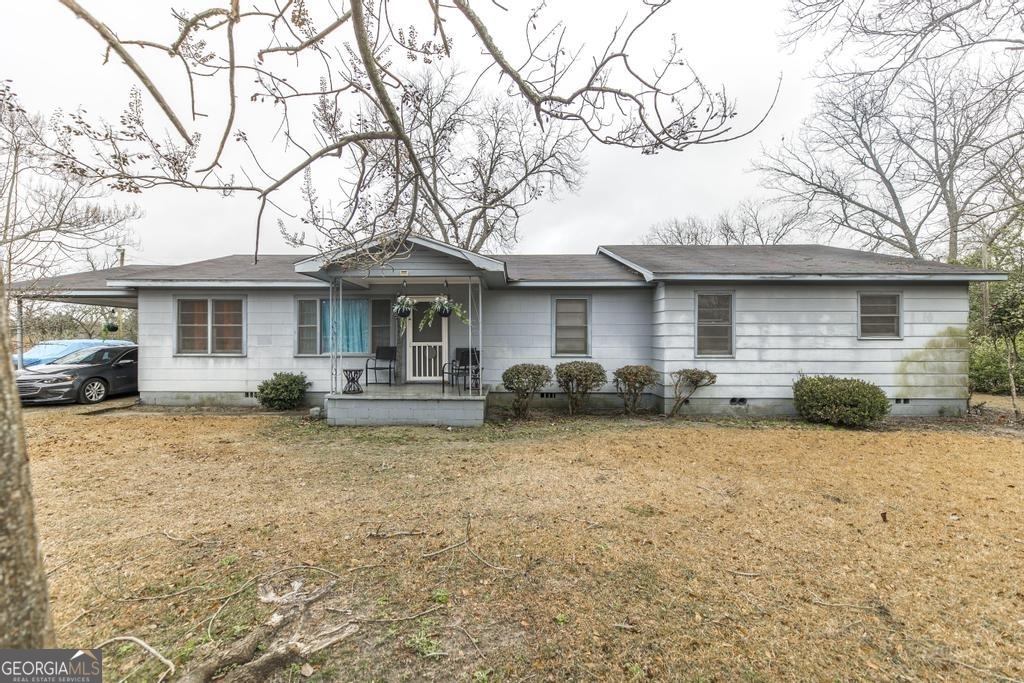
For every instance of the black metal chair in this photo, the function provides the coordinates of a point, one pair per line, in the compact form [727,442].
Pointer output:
[383,360]
[465,366]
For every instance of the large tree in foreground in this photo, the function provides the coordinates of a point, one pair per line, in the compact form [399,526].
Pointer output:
[335,75]
[336,97]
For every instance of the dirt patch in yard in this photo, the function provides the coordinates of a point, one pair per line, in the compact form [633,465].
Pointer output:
[598,548]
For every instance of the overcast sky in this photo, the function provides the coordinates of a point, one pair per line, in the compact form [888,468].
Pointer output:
[56,61]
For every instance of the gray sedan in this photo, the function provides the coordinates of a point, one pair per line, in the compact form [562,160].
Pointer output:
[87,376]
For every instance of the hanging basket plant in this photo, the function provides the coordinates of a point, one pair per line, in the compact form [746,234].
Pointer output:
[403,306]
[402,310]
[442,307]
[110,326]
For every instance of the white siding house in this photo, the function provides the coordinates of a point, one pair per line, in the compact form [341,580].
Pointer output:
[758,317]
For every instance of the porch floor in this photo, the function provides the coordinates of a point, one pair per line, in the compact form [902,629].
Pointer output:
[409,404]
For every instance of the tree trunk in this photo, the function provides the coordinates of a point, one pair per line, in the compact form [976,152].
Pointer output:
[24,605]
[1011,370]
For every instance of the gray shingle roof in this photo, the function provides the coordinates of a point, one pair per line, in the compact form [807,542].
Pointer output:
[803,259]
[566,268]
[89,280]
[238,267]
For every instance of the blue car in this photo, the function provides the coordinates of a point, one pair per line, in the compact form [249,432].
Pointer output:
[49,351]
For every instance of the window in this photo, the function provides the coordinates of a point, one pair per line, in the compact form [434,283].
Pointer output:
[571,327]
[315,319]
[880,315]
[714,324]
[211,326]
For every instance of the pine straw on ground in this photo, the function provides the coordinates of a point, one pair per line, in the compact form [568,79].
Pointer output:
[598,548]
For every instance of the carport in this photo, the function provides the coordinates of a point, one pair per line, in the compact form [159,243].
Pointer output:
[88,288]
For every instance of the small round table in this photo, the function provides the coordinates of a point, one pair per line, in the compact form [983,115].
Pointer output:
[352,377]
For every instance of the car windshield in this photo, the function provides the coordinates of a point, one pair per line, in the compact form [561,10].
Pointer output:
[45,350]
[87,357]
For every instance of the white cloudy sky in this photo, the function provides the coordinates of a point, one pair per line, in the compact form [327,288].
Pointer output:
[56,61]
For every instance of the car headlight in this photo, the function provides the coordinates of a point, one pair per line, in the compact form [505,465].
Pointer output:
[57,379]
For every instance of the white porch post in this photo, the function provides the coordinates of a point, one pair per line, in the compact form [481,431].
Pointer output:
[480,337]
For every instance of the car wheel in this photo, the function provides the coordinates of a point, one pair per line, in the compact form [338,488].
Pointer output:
[93,391]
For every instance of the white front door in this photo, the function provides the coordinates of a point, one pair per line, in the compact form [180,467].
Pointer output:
[426,351]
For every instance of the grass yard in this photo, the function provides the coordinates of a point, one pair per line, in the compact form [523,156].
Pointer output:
[606,549]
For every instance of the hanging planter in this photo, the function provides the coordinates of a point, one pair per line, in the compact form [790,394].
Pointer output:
[110,326]
[442,307]
[403,306]
[402,310]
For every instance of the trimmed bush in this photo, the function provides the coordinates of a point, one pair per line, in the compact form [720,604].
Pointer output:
[630,383]
[283,391]
[839,401]
[577,379]
[524,380]
[686,382]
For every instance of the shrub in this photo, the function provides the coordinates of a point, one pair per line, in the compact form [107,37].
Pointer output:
[524,380]
[630,383]
[686,382]
[839,401]
[987,371]
[577,379]
[283,391]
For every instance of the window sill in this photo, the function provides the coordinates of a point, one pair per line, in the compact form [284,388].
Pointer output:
[210,355]
[879,338]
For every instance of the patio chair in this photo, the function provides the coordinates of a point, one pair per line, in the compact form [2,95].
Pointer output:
[464,367]
[383,360]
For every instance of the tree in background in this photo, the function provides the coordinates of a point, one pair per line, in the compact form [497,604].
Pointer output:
[756,222]
[485,157]
[919,165]
[888,35]
[51,217]
[1006,322]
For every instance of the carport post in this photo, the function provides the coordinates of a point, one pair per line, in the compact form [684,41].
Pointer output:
[20,335]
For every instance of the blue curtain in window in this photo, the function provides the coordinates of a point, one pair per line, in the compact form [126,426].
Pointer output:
[352,326]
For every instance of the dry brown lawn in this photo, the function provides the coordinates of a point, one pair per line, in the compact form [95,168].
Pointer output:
[607,549]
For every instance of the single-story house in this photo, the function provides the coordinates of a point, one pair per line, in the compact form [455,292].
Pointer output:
[759,317]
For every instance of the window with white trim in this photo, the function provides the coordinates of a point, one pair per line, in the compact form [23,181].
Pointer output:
[880,315]
[572,327]
[211,326]
[320,326]
[714,335]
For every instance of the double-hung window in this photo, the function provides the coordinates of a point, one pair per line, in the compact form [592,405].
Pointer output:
[714,324]
[351,326]
[572,327]
[880,315]
[211,326]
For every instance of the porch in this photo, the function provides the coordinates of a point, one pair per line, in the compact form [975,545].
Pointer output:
[407,404]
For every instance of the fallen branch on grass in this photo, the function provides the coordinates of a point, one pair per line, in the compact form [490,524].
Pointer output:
[377,533]
[262,652]
[817,601]
[465,542]
[747,574]
[145,646]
